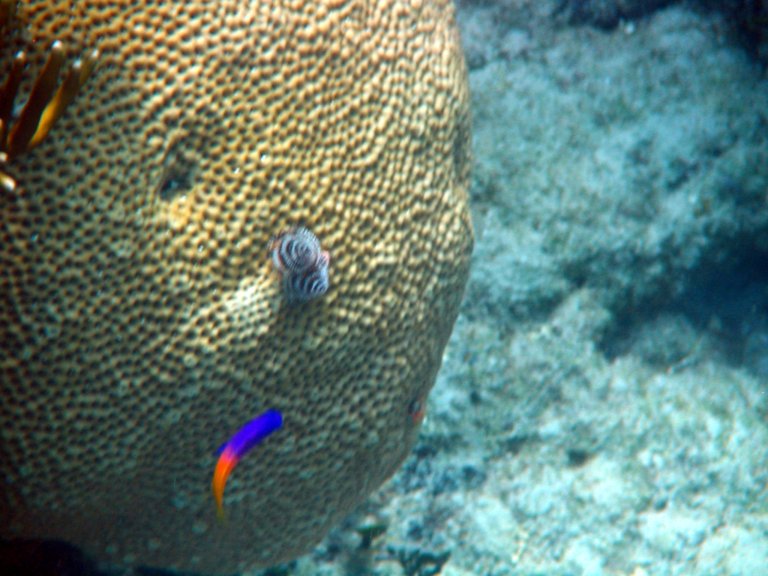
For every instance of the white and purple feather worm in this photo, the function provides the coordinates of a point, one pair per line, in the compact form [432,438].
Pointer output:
[308,286]
[303,264]
[295,251]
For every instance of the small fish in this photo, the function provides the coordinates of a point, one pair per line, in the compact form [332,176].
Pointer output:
[308,285]
[296,251]
[251,434]
[417,410]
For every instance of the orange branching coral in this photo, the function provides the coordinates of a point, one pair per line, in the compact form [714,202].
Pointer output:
[45,104]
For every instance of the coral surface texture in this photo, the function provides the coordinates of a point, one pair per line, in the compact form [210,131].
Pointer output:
[143,320]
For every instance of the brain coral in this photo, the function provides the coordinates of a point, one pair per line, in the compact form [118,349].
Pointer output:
[142,319]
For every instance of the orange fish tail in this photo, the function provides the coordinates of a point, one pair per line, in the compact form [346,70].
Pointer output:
[225,465]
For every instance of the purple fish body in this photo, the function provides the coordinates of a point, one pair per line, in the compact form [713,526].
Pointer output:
[247,437]
[253,432]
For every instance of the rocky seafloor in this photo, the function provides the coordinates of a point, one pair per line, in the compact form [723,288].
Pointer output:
[603,403]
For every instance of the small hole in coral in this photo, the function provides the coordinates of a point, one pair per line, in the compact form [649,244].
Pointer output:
[179,172]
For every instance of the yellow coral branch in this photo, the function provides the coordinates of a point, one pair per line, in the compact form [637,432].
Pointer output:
[8,95]
[6,182]
[41,94]
[77,76]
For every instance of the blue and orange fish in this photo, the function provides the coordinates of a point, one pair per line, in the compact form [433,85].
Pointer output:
[251,434]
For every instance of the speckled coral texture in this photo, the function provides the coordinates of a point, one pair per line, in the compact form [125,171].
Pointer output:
[143,322]
[602,407]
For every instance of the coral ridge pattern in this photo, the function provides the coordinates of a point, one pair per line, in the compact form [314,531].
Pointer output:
[142,319]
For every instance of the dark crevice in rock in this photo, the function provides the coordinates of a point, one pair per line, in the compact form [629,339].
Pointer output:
[725,301]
